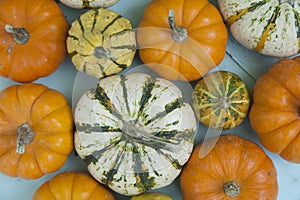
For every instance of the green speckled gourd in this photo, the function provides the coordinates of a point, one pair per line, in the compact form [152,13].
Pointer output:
[135,132]
[101,42]
[270,27]
[221,100]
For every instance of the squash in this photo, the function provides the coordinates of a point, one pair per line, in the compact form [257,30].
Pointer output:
[36,130]
[268,27]
[181,40]
[151,196]
[221,100]
[274,114]
[101,43]
[72,186]
[134,131]
[81,4]
[236,168]
[32,35]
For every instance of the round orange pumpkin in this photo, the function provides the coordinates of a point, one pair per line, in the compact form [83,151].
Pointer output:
[235,168]
[72,186]
[274,114]
[36,130]
[32,38]
[181,40]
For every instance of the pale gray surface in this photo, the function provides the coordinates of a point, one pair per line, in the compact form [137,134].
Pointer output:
[248,64]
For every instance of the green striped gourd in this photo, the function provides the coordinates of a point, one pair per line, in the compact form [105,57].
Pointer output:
[79,4]
[101,42]
[221,100]
[270,27]
[134,131]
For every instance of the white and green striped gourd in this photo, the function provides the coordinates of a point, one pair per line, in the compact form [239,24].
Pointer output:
[270,27]
[134,131]
[80,4]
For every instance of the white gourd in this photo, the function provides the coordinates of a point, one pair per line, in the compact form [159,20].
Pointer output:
[135,132]
[80,4]
[270,27]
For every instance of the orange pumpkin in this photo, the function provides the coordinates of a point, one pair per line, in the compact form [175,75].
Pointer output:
[274,114]
[235,168]
[183,39]
[32,38]
[72,186]
[36,130]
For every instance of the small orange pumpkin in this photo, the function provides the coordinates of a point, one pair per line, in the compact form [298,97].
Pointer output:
[72,186]
[32,38]
[274,114]
[181,39]
[235,168]
[36,130]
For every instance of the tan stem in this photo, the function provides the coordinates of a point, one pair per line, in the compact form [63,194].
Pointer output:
[178,33]
[21,36]
[231,189]
[25,136]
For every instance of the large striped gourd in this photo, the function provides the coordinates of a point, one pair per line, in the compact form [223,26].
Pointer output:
[221,100]
[267,26]
[79,4]
[101,42]
[134,131]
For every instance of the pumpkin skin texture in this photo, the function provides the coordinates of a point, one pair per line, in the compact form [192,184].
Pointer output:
[197,47]
[40,47]
[36,130]
[72,186]
[101,43]
[80,4]
[221,100]
[235,168]
[151,196]
[135,132]
[268,27]
[274,114]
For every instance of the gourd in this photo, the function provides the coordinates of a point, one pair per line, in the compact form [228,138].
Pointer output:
[101,43]
[274,114]
[221,100]
[151,196]
[269,27]
[73,186]
[36,130]
[181,40]
[32,39]
[134,131]
[81,4]
[236,168]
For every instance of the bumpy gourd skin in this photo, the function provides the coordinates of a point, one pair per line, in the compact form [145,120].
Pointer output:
[42,48]
[80,4]
[101,43]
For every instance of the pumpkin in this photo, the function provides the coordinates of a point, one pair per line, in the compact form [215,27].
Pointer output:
[221,100]
[151,196]
[101,43]
[235,168]
[134,131]
[181,40]
[32,35]
[72,186]
[36,130]
[269,27]
[274,114]
[80,4]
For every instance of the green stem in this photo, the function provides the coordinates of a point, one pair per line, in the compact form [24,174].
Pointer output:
[21,36]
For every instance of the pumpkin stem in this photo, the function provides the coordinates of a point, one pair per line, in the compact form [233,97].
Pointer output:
[179,33]
[25,136]
[21,36]
[231,189]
